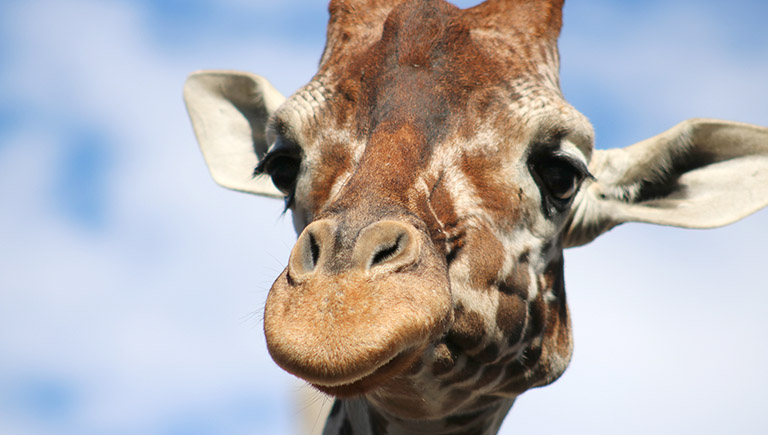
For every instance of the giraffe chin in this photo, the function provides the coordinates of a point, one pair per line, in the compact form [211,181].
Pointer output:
[378,377]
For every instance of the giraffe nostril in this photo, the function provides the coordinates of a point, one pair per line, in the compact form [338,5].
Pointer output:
[385,244]
[314,250]
[388,252]
[314,244]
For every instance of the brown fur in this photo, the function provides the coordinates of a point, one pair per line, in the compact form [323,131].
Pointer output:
[411,286]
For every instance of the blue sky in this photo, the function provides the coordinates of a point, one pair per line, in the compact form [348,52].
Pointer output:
[132,286]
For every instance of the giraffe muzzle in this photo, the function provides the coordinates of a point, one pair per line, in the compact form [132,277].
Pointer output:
[356,303]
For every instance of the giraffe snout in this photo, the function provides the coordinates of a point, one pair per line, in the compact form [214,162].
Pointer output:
[356,305]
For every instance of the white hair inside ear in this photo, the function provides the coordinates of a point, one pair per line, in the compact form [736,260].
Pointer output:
[229,112]
[702,173]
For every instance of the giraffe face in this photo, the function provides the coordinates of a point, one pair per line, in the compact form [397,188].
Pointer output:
[435,173]
[430,178]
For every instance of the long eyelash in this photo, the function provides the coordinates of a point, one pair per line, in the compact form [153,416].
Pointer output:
[288,203]
[577,164]
[259,169]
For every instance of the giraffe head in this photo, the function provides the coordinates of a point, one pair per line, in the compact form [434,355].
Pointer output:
[435,173]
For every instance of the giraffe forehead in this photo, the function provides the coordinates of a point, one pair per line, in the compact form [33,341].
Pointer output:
[434,67]
[431,65]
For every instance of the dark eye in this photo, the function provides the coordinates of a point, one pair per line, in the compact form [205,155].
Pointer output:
[282,164]
[559,177]
[283,171]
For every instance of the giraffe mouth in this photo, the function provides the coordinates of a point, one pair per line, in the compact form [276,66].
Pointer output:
[368,382]
[360,341]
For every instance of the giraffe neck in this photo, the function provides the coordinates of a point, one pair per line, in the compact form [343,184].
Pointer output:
[358,417]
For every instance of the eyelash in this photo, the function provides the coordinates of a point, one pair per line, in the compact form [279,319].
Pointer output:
[282,164]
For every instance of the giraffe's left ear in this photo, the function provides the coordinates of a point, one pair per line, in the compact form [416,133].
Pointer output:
[702,173]
[229,112]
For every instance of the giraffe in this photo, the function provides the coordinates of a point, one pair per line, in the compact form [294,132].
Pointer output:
[435,174]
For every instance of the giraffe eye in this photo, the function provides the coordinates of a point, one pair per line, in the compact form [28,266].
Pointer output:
[282,163]
[559,177]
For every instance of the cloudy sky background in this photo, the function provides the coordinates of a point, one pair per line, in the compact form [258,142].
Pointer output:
[131,286]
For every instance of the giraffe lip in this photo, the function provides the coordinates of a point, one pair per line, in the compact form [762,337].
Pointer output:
[351,379]
[328,369]
[370,381]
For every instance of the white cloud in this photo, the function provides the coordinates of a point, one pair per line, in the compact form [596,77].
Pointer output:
[148,321]
[658,64]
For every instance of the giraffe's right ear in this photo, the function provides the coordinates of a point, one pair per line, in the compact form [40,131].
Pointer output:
[229,112]
[702,173]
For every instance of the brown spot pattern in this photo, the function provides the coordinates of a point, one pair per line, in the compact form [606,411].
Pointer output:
[519,281]
[468,328]
[441,205]
[490,374]
[334,161]
[538,310]
[469,370]
[486,259]
[487,355]
[511,316]
[483,171]
[444,360]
